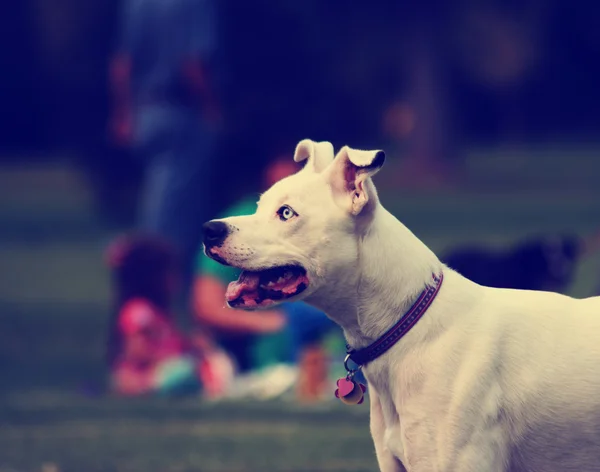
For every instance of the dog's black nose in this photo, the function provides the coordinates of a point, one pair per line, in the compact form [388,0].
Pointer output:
[215,232]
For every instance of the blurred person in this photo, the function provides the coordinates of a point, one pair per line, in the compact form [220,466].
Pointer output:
[466,67]
[292,334]
[146,352]
[165,109]
[499,50]
[420,117]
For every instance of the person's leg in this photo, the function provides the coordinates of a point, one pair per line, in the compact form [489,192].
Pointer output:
[308,328]
[177,198]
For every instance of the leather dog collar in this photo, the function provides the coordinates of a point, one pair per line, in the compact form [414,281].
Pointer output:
[367,354]
[352,392]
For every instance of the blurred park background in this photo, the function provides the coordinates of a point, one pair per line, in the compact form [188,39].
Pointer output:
[490,115]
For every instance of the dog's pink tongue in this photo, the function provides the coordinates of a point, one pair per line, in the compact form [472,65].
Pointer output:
[248,282]
[290,284]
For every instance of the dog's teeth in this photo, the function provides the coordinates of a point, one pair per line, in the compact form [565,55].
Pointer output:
[288,275]
[280,279]
[268,285]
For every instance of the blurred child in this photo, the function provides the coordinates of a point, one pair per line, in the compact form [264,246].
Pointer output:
[147,354]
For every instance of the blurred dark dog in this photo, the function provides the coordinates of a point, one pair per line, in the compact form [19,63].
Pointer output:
[542,263]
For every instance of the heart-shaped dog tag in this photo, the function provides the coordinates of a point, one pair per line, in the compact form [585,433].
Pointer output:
[344,387]
[350,392]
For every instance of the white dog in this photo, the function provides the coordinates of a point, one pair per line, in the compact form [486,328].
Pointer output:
[486,380]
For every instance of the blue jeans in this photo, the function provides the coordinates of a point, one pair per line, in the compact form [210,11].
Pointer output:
[178,150]
[306,326]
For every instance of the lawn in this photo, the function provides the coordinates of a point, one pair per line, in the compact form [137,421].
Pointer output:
[76,434]
[54,303]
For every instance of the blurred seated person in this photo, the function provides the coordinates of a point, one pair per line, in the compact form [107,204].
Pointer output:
[147,354]
[263,338]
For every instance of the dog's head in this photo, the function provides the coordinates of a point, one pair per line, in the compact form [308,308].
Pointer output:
[304,237]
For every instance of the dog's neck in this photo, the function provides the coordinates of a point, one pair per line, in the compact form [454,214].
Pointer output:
[394,266]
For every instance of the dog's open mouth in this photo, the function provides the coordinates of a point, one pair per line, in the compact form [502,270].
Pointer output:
[266,287]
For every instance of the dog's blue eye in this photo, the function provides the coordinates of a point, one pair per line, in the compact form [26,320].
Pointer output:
[285,213]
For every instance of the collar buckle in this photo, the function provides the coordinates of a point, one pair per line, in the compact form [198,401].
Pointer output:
[350,371]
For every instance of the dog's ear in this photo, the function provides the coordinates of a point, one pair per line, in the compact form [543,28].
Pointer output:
[350,176]
[319,155]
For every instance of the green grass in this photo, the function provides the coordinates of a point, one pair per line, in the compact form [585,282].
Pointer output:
[78,434]
[54,302]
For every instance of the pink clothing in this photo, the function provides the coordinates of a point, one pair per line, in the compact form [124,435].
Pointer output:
[155,355]
[138,316]
[157,338]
